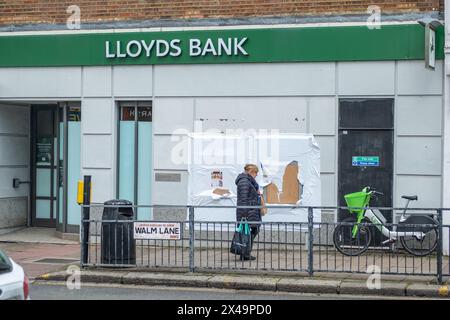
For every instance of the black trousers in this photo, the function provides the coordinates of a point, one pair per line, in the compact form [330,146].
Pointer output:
[254,232]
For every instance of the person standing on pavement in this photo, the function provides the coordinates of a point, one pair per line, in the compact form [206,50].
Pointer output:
[248,194]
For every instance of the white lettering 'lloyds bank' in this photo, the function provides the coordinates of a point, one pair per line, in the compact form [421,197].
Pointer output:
[163,48]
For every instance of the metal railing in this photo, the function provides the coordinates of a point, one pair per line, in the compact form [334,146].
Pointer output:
[307,246]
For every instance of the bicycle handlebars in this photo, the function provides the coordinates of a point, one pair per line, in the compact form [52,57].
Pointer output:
[369,189]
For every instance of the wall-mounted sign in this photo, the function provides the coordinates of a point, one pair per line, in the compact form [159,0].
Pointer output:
[364,161]
[157,231]
[43,150]
[173,48]
[74,114]
[168,177]
[144,114]
[430,47]
[256,45]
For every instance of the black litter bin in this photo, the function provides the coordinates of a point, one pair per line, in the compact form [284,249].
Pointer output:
[118,245]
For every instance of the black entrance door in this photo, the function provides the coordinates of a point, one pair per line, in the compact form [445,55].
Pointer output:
[366,146]
[43,161]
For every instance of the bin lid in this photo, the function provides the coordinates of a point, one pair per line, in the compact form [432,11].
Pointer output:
[122,208]
[118,202]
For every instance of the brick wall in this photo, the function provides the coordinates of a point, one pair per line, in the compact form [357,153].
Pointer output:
[54,11]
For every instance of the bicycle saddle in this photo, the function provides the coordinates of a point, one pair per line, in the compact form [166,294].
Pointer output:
[410,197]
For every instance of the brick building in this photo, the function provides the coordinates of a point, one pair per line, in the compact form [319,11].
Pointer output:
[49,14]
[83,85]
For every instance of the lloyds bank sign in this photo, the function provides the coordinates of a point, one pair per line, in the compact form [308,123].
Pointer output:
[259,45]
[175,48]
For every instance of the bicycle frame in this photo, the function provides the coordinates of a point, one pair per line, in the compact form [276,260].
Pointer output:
[378,220]
[376,217]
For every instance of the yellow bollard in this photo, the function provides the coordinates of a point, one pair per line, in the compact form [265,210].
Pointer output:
[80,192]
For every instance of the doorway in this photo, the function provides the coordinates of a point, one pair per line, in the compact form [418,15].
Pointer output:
[55,168]
[366,150]
[43,165]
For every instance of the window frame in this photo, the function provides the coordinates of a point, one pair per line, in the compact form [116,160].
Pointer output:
[136,104]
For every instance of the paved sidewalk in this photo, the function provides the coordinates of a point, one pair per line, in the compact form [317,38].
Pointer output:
[48,257]
[40,258]
[44,262]
[34,235]
[39,251]
[325,259]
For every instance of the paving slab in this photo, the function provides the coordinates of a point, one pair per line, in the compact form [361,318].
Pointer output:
[54,276]
[361,288]
[102,277]
[85,276]
[308,286]
[243,282]
[35,235]
[420,279]
[365,276]
[430,290]
[168,279]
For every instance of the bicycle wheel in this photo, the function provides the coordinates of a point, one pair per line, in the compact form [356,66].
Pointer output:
[345,243]
[414,245]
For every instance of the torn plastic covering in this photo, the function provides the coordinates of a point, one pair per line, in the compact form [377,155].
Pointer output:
[215,161]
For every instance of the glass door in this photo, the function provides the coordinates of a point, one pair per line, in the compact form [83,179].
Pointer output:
[44,165]
[73,164]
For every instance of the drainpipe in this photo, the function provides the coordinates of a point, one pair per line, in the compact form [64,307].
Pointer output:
[29,168]
[446,131]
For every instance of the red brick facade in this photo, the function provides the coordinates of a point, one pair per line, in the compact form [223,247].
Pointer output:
[54,11]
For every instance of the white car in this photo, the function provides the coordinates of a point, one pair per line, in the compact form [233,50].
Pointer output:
[14,283]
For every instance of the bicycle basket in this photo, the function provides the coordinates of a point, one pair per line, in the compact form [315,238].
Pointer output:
[357,199]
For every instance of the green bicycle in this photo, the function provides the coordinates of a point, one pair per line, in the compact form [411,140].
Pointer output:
[418,234]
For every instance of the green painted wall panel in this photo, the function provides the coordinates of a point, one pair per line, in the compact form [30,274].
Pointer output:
[339,43]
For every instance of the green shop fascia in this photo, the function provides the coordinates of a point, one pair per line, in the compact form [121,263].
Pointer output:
[261,45]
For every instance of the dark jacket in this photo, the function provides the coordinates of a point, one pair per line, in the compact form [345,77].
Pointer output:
[247,195]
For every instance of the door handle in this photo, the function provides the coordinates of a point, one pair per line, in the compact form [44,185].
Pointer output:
[17,182]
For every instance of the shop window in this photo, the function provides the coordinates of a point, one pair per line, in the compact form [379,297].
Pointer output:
[69,165]
[135,155]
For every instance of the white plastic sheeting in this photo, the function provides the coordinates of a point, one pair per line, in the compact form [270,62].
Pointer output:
[215,160]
